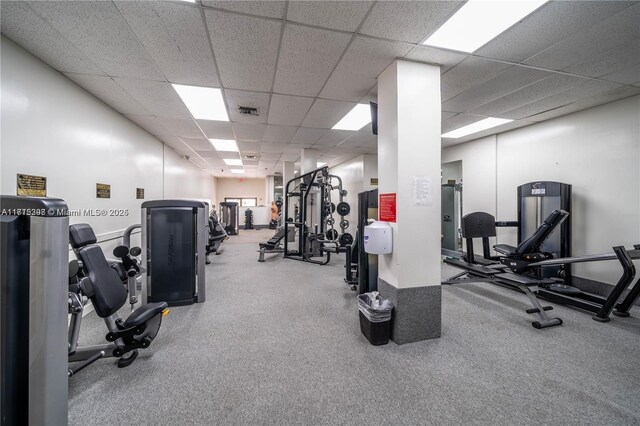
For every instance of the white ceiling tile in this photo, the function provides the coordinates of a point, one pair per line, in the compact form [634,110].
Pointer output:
[619,58]
[237,98]
[630,75]
[248,131]
[325,113]
[467,74]
[307,135]
[360,66]
[288,110]
[216,129]
[584,90]
[157,97]
[198,144]
[175,143]
[510,80]
[334,137]
[269,156]
[551,23]
[250,146]
[245,48]
[307,57]
[279,133]
[554,84]
[271,9]
[25,27]
[175,37]
[445,115]
[432,55]
[410,21]
[273,147]
[98,30]
[360,138]
[208,155]
[459,121]
[105,89]
[592,41]
[372,96]
[337,15]
[151,124]
[499,129]
[185,128]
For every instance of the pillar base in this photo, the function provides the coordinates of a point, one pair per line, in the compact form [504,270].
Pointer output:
[417,312]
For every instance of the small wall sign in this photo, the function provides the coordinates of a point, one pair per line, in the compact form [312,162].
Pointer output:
[103,190]
[374,181]
[31,186]
[387,207]
[140,193]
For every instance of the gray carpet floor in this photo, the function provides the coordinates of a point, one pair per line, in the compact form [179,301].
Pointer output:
[279,343]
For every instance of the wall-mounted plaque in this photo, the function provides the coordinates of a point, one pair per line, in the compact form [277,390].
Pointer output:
[374,181]
[31,186]
[103,190]
[140,193]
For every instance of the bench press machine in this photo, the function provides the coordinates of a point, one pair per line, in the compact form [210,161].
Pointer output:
[525,261]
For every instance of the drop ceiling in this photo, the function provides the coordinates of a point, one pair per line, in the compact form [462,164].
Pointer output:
[304,64]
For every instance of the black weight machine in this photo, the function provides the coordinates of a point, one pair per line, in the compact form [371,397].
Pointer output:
[314,223]
[361,268]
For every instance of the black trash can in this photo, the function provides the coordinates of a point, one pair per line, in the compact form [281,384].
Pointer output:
[375,318]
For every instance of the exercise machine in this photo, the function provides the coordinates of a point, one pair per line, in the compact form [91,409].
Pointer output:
[248,219]
[273,245]
[519,267]
[34,236]
[483,225]
[314,222]
[102,284]
[361,268]
[174,238]
[229,216]
[217,235]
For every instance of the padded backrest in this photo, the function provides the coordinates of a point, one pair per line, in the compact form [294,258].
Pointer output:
[534,242]
[81,235]
[478,225]
[109,292]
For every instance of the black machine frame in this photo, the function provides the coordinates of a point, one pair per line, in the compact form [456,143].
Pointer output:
[314,243]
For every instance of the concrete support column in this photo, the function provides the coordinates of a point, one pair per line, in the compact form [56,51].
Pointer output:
[409,166]
[308,160]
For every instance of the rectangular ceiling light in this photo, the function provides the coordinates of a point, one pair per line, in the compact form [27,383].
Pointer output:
[476,127]
[479,21]
[237,171]
[318,164]
[233,162]
[355,119]
[228,145]
[204,103]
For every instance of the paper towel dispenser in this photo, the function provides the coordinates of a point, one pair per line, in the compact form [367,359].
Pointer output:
[378,238]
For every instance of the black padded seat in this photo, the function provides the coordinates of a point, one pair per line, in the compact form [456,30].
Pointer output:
[145,313]
[534,242]
[110,295]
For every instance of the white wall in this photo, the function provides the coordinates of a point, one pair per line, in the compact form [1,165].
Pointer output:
[243,188]
[51,127]
[596,150]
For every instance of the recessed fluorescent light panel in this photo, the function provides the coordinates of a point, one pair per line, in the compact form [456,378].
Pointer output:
[237,171]
[224,145]
[233,162]
[321,164]
[204,103]
[476,127]
[479,21]
[355,119]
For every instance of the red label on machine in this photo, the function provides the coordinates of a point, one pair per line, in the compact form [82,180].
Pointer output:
[387,207]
